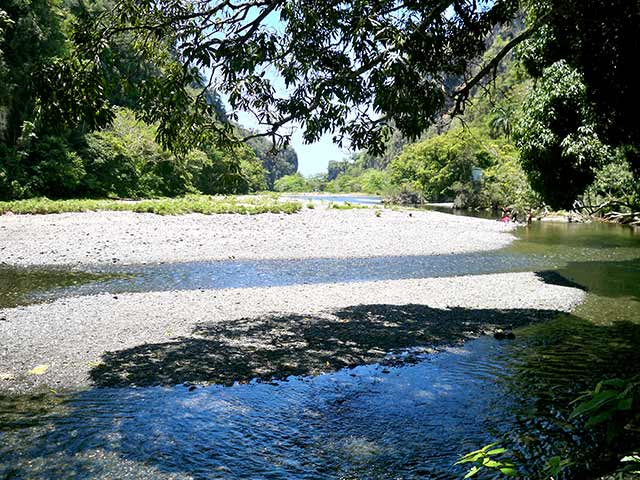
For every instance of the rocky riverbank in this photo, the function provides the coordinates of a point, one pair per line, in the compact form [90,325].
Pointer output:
[227,335]
[222,336]
[94,238]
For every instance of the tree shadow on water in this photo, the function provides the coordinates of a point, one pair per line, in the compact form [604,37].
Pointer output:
[276,346]
[220,433]
[614,279]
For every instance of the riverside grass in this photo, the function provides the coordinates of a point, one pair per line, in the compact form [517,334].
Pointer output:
[205,204]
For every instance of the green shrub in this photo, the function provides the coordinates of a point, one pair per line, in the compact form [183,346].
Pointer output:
[123,161]
[439,168]
[111,169]
[291,183]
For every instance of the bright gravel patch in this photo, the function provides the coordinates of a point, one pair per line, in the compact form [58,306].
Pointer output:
[99,238]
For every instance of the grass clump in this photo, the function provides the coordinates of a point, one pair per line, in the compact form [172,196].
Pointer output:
[345,206]
[205,204]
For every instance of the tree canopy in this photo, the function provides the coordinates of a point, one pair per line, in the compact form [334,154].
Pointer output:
[367,71]
[353,68]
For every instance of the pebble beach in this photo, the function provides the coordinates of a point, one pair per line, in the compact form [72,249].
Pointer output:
[140,339]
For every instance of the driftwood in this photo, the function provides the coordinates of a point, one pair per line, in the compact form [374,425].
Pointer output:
[605,211]
[630,218]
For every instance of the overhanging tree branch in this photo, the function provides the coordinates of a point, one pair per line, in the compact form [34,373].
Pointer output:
[462,93]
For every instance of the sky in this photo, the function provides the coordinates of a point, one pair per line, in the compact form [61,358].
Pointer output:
[312,158]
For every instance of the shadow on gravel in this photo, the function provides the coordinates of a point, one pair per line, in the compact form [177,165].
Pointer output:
[277,346]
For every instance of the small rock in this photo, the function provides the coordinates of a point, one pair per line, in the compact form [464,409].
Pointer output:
[501,335]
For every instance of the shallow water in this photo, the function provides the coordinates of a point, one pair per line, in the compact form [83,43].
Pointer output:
[266,273]
[373,421]
[19,286]
[369,422]
[595,256]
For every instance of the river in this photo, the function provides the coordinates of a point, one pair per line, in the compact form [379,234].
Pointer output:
[397,420]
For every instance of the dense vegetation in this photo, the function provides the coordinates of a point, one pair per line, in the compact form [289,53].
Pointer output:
[74,74]
[439,166]
[88,150]
[123,161]
[532,131]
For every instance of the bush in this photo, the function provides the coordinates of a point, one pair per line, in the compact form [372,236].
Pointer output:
[439,168]
[111,169]
[614,182]
[48,166]
[291,183]
[123,161]
[436,164]
[558,142]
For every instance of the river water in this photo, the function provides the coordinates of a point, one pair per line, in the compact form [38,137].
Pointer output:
[411,420]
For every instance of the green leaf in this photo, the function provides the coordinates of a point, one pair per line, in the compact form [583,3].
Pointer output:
[496,451]
[471,457]
[596,402]
[631,458]
[625,404]
[508,471]
[615,382]
[599,418]
[472,471]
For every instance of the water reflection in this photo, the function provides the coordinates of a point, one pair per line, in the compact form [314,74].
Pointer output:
[373,421]
[265,273]
[595,256]
[17,284]
[353,199]
[369,422]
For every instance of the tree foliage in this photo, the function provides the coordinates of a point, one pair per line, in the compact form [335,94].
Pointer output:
[584,105]
[123,161]
[352,68]
[277,163]
[440,169]
[559,146]
[62,133]
[599,39]
[31,36]
[292,183]
[376,73]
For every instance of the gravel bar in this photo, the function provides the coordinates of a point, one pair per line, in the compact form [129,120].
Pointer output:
[100,238]
[159,337]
